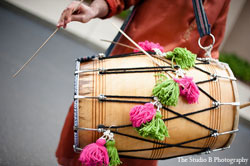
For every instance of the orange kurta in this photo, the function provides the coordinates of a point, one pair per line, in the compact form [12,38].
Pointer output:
[172,23]
[168,22]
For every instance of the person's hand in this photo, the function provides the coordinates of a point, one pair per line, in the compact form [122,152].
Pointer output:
[83,14]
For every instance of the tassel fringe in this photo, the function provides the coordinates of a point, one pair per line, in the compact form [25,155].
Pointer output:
[156,129]
[182,57]
[95,154]
[167,91]
[113,153]
[141,114]
[188,89]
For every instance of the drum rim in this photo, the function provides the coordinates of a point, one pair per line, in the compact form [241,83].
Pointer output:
[76,106]
[237,108]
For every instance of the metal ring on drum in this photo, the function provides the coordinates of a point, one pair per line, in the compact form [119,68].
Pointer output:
[205,47]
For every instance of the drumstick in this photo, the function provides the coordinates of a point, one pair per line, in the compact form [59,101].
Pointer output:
[36,53]
[121,44]
[244,105]
[139,47]
[125,45]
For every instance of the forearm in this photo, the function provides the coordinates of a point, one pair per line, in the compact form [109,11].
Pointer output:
[100,7]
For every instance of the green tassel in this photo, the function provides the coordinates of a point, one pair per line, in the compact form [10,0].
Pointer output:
[113,153]
[155,129]
[167,91]
[183,57]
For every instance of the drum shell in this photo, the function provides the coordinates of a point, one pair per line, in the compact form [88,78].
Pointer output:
[92,112]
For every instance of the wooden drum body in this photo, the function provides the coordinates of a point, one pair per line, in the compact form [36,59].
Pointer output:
[192,127]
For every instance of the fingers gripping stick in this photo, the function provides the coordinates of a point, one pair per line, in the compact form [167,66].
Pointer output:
[44,43]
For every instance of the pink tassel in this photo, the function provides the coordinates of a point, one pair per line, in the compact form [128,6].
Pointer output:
[95,154]
[188,89]
[149,46]
[141,114]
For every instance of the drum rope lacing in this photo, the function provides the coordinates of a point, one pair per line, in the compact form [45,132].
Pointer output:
[117,98]
[142,69]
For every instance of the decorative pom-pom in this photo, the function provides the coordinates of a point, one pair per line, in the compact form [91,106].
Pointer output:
[156,129]
[149,46]
[114,159]
[95,154]
[188,89]
[167,91]
[182,57]
[141,114]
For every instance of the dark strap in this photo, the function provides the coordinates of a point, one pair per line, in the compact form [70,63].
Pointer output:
[201,18]
[200,15]
[123,27]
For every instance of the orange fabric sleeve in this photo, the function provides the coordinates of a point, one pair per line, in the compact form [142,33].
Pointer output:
[117,6]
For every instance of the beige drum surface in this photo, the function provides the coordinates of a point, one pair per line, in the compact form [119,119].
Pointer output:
[93,112]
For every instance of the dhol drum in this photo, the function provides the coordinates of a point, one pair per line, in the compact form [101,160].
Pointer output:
[106,88]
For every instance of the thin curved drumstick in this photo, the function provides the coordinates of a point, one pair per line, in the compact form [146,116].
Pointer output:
[36,53]
[245,105]
[134,48]
[155,56]
[139,47]
[121,44]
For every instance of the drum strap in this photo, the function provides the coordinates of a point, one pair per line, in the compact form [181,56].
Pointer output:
[123,27]
[203,26]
